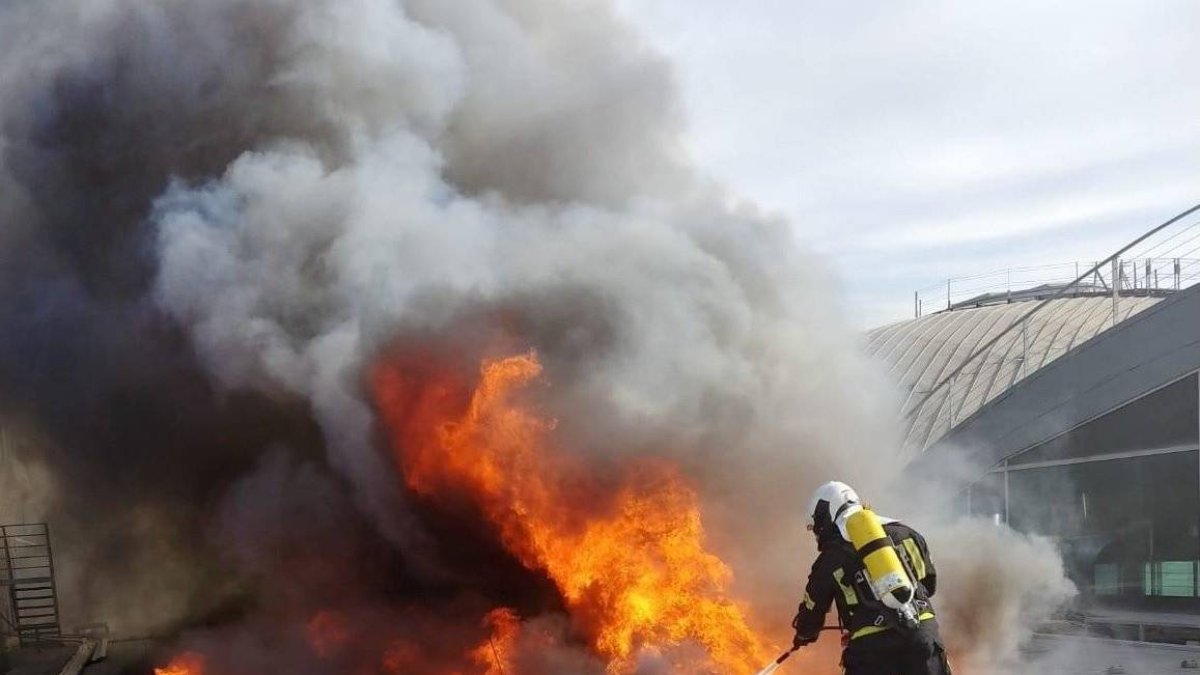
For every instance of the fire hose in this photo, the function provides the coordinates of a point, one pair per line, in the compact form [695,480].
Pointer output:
[774,665]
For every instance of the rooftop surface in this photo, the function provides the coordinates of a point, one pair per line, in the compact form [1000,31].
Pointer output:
[920,353]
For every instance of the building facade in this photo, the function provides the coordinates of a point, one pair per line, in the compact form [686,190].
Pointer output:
[1094,441]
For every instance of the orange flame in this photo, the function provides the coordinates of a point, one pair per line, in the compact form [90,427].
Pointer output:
[187,663]
[496,654]
[631,566]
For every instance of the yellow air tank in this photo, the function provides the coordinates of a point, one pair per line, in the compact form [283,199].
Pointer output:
[885,572]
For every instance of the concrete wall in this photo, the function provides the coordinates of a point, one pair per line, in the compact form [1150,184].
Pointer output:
[1143,353]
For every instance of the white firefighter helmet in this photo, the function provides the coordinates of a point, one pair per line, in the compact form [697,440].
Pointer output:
[831,504]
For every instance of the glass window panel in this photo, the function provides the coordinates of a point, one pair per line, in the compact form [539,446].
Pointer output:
[1128,528]
[1171,493]
[1107,579]
[987,497]
[1044,501]
[1178,579]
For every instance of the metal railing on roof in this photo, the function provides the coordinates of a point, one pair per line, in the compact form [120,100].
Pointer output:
[1159,262]
[1136,276]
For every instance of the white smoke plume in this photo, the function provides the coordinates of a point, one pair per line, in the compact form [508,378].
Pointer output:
[222,211]
[995,587]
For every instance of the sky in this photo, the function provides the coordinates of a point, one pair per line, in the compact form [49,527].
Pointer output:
[915,141]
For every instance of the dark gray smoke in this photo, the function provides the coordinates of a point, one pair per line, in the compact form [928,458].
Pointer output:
[216,215]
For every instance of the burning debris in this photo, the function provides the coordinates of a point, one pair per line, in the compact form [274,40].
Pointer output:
[498,654]
[187,663]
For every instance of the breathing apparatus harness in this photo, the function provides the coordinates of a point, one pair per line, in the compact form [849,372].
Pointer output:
[885,569]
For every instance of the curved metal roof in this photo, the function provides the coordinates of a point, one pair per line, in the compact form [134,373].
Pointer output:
[920,353]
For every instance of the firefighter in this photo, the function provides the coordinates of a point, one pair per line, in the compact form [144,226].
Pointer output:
[882,598]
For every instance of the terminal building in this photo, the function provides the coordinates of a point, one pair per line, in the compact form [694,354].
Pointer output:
[1081,424]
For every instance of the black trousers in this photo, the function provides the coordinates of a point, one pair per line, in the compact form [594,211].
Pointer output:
[890,656]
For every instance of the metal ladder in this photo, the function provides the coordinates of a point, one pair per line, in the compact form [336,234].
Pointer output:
[27,573]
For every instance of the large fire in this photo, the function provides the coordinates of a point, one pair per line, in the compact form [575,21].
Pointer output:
[629,561]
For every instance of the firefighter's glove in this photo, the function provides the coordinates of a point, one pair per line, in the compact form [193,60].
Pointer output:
[802,640]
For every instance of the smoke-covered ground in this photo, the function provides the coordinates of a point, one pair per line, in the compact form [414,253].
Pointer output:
[216,216]
[1047,655]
